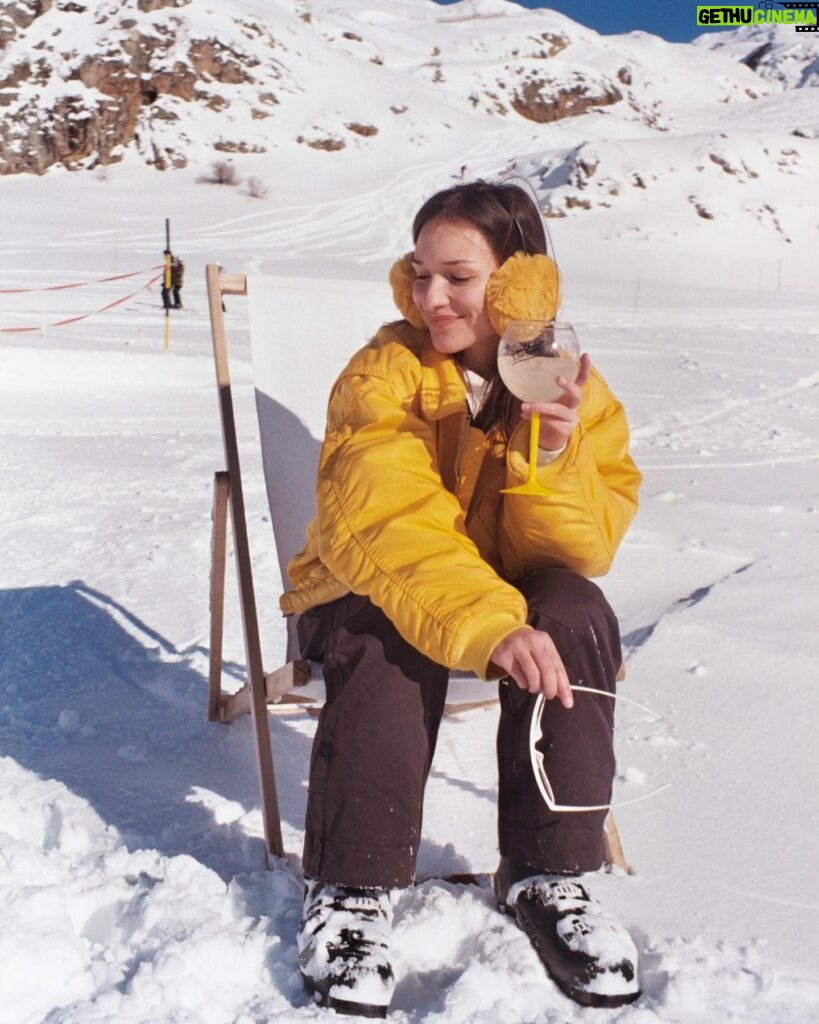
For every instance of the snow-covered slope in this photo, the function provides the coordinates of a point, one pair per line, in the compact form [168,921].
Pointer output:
[291,94]
[131,881]
[607,127]
[775,53]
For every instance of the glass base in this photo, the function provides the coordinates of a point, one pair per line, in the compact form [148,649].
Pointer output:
[530,487]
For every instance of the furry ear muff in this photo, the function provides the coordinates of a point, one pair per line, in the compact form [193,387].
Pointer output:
[523,288]
[402,278]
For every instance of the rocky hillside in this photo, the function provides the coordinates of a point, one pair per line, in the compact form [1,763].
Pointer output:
[83,82]
[775,53]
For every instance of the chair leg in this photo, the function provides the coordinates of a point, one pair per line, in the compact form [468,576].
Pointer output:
[613,849]
[251,698]
[218,286]
[221,490]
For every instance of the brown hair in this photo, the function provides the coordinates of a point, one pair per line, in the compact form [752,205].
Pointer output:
[510,221]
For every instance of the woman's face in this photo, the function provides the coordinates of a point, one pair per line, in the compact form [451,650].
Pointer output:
[452,262]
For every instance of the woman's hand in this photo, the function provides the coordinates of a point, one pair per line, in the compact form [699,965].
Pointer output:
[558,419]
[530,657]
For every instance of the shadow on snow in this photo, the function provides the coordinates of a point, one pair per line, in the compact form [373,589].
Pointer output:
[95,698]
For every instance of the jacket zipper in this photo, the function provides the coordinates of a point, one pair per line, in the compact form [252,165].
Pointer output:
[466,425]
[459,453]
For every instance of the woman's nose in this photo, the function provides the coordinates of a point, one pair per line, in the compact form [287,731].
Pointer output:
[435,294]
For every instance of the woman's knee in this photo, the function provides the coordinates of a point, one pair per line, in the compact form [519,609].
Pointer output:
[565,594]
[364,657]
[571,608]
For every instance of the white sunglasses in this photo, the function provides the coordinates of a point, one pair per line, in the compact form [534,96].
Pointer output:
[539,768]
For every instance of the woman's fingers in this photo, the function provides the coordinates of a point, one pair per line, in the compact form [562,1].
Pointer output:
[584,372]
[556,424]
[563,688]
[573,389]
[530,657]
[549,410]
[554,680]
[528,673]
[572,392]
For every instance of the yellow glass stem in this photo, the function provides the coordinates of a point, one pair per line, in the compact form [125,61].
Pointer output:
[531,486]
[534,437]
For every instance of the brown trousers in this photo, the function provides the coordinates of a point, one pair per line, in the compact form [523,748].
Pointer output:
[377,732]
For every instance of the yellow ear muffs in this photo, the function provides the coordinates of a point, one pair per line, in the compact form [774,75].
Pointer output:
[523,288]
[402,278]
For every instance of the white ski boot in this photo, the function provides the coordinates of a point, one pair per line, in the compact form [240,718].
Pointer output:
[344,948]
[588,954]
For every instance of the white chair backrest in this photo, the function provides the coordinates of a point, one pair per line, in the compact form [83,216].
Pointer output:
[302,333]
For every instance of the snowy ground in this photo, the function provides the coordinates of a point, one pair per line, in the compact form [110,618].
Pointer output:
[132,886]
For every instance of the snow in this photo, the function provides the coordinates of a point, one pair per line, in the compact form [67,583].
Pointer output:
[790,57]
[132,879]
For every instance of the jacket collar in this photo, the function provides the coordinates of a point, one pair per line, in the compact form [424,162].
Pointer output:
[443,388]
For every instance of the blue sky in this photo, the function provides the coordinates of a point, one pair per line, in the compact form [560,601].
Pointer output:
[674,20]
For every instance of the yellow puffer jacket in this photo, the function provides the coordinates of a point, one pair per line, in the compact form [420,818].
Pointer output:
[410,509]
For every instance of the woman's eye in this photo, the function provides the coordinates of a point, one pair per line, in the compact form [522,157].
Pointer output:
[452,278]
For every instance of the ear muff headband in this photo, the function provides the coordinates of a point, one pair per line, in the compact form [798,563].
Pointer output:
[522,288]
[402,279]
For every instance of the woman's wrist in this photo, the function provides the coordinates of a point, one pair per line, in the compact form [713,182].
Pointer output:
[547,455]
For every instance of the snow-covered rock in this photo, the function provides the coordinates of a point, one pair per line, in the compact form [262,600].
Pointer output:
[81,83]
[776,53]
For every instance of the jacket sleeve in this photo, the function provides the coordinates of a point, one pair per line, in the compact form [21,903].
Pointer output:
[388,528]
[590,494]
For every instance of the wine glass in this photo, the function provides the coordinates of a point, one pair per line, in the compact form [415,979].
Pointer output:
[532,354]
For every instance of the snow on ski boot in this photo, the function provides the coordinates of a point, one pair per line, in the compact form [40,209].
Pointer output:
[344,948]
[588,954]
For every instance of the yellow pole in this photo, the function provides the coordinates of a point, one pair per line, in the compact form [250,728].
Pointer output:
[166,293]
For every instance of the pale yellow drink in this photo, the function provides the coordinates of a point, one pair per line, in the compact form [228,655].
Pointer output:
[532,354]
[534,378]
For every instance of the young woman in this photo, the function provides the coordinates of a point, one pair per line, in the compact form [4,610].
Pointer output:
[418,562]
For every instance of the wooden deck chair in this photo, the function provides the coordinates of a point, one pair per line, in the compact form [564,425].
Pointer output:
[299,329]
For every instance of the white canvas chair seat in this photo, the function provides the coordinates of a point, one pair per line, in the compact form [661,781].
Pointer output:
[302,331]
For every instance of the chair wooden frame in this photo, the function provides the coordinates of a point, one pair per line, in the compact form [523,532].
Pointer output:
[260,688]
